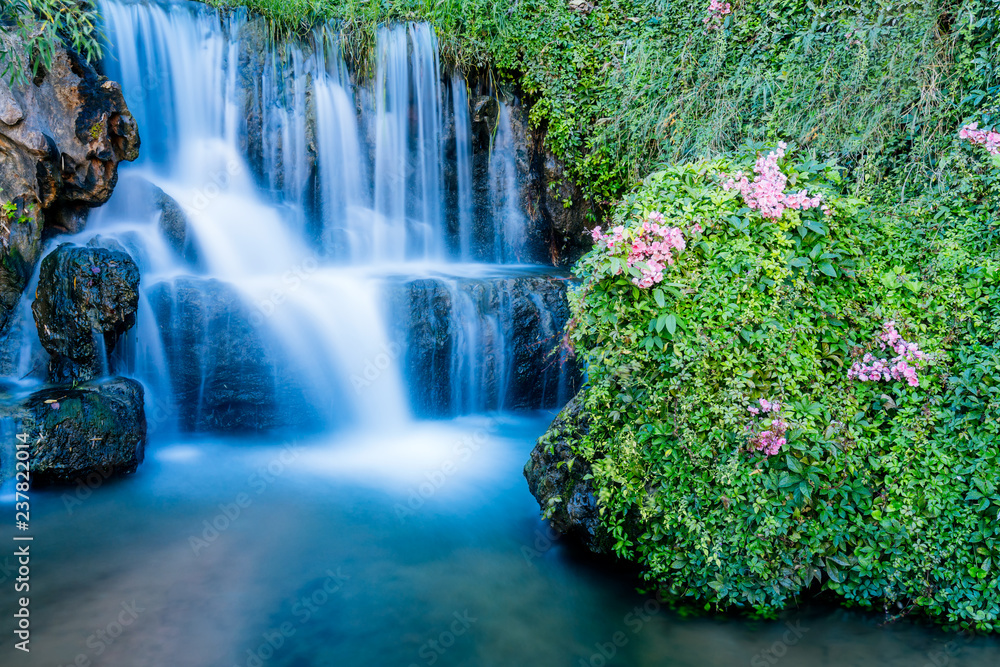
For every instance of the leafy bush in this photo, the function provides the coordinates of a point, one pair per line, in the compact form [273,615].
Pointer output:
[877,491]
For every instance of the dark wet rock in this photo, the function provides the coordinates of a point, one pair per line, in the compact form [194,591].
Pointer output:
[557,212]
[513,325]
[222,370]
[554,203]
[173,220]
[94,427]
[424,308]
[557,478]
[62,137]
[266,82]
[87,297]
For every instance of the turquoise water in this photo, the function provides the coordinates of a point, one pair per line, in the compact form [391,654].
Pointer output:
[420,547]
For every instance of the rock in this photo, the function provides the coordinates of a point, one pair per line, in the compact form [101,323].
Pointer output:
[11,112]
[94,427]
[556,232]
[547,189]
[557,479]
[87,297]
[424,307]
[268,86]
[222,369]
[173,222]
[62,137]
[485,109]
[483,344]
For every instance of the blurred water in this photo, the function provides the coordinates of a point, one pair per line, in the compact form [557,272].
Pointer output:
[388,540]
[421,548]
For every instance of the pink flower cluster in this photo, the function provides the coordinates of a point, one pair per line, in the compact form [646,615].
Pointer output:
[767,190]
[988,138]
[899,368]
[771,440]
[716,11]
[651,246]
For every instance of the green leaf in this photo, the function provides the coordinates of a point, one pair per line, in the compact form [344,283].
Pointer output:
[671,323]
[827,268]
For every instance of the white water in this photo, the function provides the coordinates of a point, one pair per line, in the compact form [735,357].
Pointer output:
[305,192]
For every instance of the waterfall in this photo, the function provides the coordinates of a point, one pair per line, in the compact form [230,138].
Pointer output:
[463,165]
[508,218]
[299,231]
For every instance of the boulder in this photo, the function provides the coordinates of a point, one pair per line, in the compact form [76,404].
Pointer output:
[558,479]
[72,432]
[222,369]
[86,298]
[62,137]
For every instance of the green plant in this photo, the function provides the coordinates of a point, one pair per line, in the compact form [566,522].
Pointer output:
[883,493]
[42,25]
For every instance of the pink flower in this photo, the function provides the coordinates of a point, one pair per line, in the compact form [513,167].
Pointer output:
[766,191]
[769,440]
[716,11]
[986,138]
[651,247]
[899,368]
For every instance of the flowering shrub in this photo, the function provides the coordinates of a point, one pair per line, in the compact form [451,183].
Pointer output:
[899,368]
[986,138]
[717,11]
[649,248]
[772,439]
[766,192]
[885,494]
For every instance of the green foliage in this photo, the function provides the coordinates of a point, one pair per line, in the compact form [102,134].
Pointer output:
[878,86]
[884,493]
[42,25]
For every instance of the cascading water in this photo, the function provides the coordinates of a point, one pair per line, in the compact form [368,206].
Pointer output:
[318,252]
[310,207]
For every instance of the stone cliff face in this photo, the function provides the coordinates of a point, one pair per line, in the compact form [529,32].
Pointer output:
[62,137]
